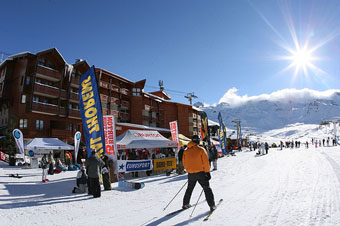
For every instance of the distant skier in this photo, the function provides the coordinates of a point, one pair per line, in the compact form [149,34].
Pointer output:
[196,163]
[306,144]
[44,164]
[266,147]
[214,156]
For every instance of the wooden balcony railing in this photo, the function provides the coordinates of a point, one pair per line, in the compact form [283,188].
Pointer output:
[45,90]
[45,108]
[49,72]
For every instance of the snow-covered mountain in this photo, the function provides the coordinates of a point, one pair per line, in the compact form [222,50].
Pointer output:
[276,110]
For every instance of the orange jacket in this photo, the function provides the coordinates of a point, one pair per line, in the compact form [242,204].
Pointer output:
[195,159]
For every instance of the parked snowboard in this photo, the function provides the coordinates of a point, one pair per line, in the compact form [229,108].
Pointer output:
[130,184]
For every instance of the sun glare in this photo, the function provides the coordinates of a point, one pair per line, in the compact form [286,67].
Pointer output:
[301,58]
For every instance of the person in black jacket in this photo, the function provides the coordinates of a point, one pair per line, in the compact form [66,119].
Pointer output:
[93,168]
[180,167]
[214,156]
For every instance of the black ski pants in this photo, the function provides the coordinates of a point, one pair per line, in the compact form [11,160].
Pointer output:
[204,182]
[94,187]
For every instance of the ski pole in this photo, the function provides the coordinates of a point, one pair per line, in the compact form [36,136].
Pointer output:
[175,195]
[196,203]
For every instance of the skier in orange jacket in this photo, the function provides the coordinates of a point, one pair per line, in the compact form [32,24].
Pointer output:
[196,163]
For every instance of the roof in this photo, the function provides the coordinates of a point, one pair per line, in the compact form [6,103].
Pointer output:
[47,144]
[143,139]
[142,126]
[212,123]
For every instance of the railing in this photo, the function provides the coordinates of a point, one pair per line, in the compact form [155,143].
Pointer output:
[124,91]
[46,90]
[125,103]
[49,72]
[45,108]
[104,98]
[75,80]
[104,84]
[115,88]
[74,113]
[74,96]
[60,133]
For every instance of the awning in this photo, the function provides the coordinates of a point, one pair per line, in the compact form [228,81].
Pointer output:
[47,144]
[183,140]
[143,139]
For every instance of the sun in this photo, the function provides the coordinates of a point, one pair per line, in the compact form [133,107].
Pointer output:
[302,58]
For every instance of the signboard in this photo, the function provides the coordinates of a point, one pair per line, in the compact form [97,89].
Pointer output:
[164,164]
[110,136]
[174,132]
[91,113]
[127,166]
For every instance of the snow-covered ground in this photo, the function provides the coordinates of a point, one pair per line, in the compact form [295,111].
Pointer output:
[288,187]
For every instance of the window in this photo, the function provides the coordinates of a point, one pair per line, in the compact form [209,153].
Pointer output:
[136,92]
[39,124]
[23,123]
[23,99]
[70,127]
[42,61]
[70,106]
[28,80]
[36,98]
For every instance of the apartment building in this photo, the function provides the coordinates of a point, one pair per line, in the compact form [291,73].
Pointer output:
[39,95]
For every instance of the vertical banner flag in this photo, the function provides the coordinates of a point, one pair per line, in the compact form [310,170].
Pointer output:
[110,138]
[77,137]
[222,134]
[91,113]
[19,140]
[204,127]
[174,132]
[239,134]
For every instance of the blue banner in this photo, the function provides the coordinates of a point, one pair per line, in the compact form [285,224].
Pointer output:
[222,134]
[91,113]
[126,166]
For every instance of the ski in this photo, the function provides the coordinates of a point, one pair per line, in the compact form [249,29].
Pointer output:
[176,211]
[207,217]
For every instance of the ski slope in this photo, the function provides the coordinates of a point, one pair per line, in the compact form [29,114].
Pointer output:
[288,187]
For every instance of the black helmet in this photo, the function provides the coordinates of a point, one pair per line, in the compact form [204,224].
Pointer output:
[196,139]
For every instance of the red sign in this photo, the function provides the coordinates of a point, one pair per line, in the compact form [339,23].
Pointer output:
[174,132]
[110,136]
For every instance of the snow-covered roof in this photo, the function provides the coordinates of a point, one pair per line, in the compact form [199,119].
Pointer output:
[213,123]
[142,126]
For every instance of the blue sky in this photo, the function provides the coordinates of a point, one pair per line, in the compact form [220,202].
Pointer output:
[205,47]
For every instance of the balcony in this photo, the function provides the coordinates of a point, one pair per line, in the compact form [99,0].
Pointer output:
[123,115]
[60,133]
[115,88]
[75,80]
[125,103]
[48,73]
[45,90]
[124,91]
[114,100]
[74,96]
[104,98]
[74,113]
[63,94]
[104,84]
[62,111]
[48,109]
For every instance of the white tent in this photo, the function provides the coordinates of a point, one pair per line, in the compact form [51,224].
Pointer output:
[143,139]
[47,144]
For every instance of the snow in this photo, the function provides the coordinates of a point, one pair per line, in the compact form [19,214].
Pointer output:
[287,188]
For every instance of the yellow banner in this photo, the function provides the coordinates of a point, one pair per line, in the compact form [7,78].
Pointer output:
[164,164]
